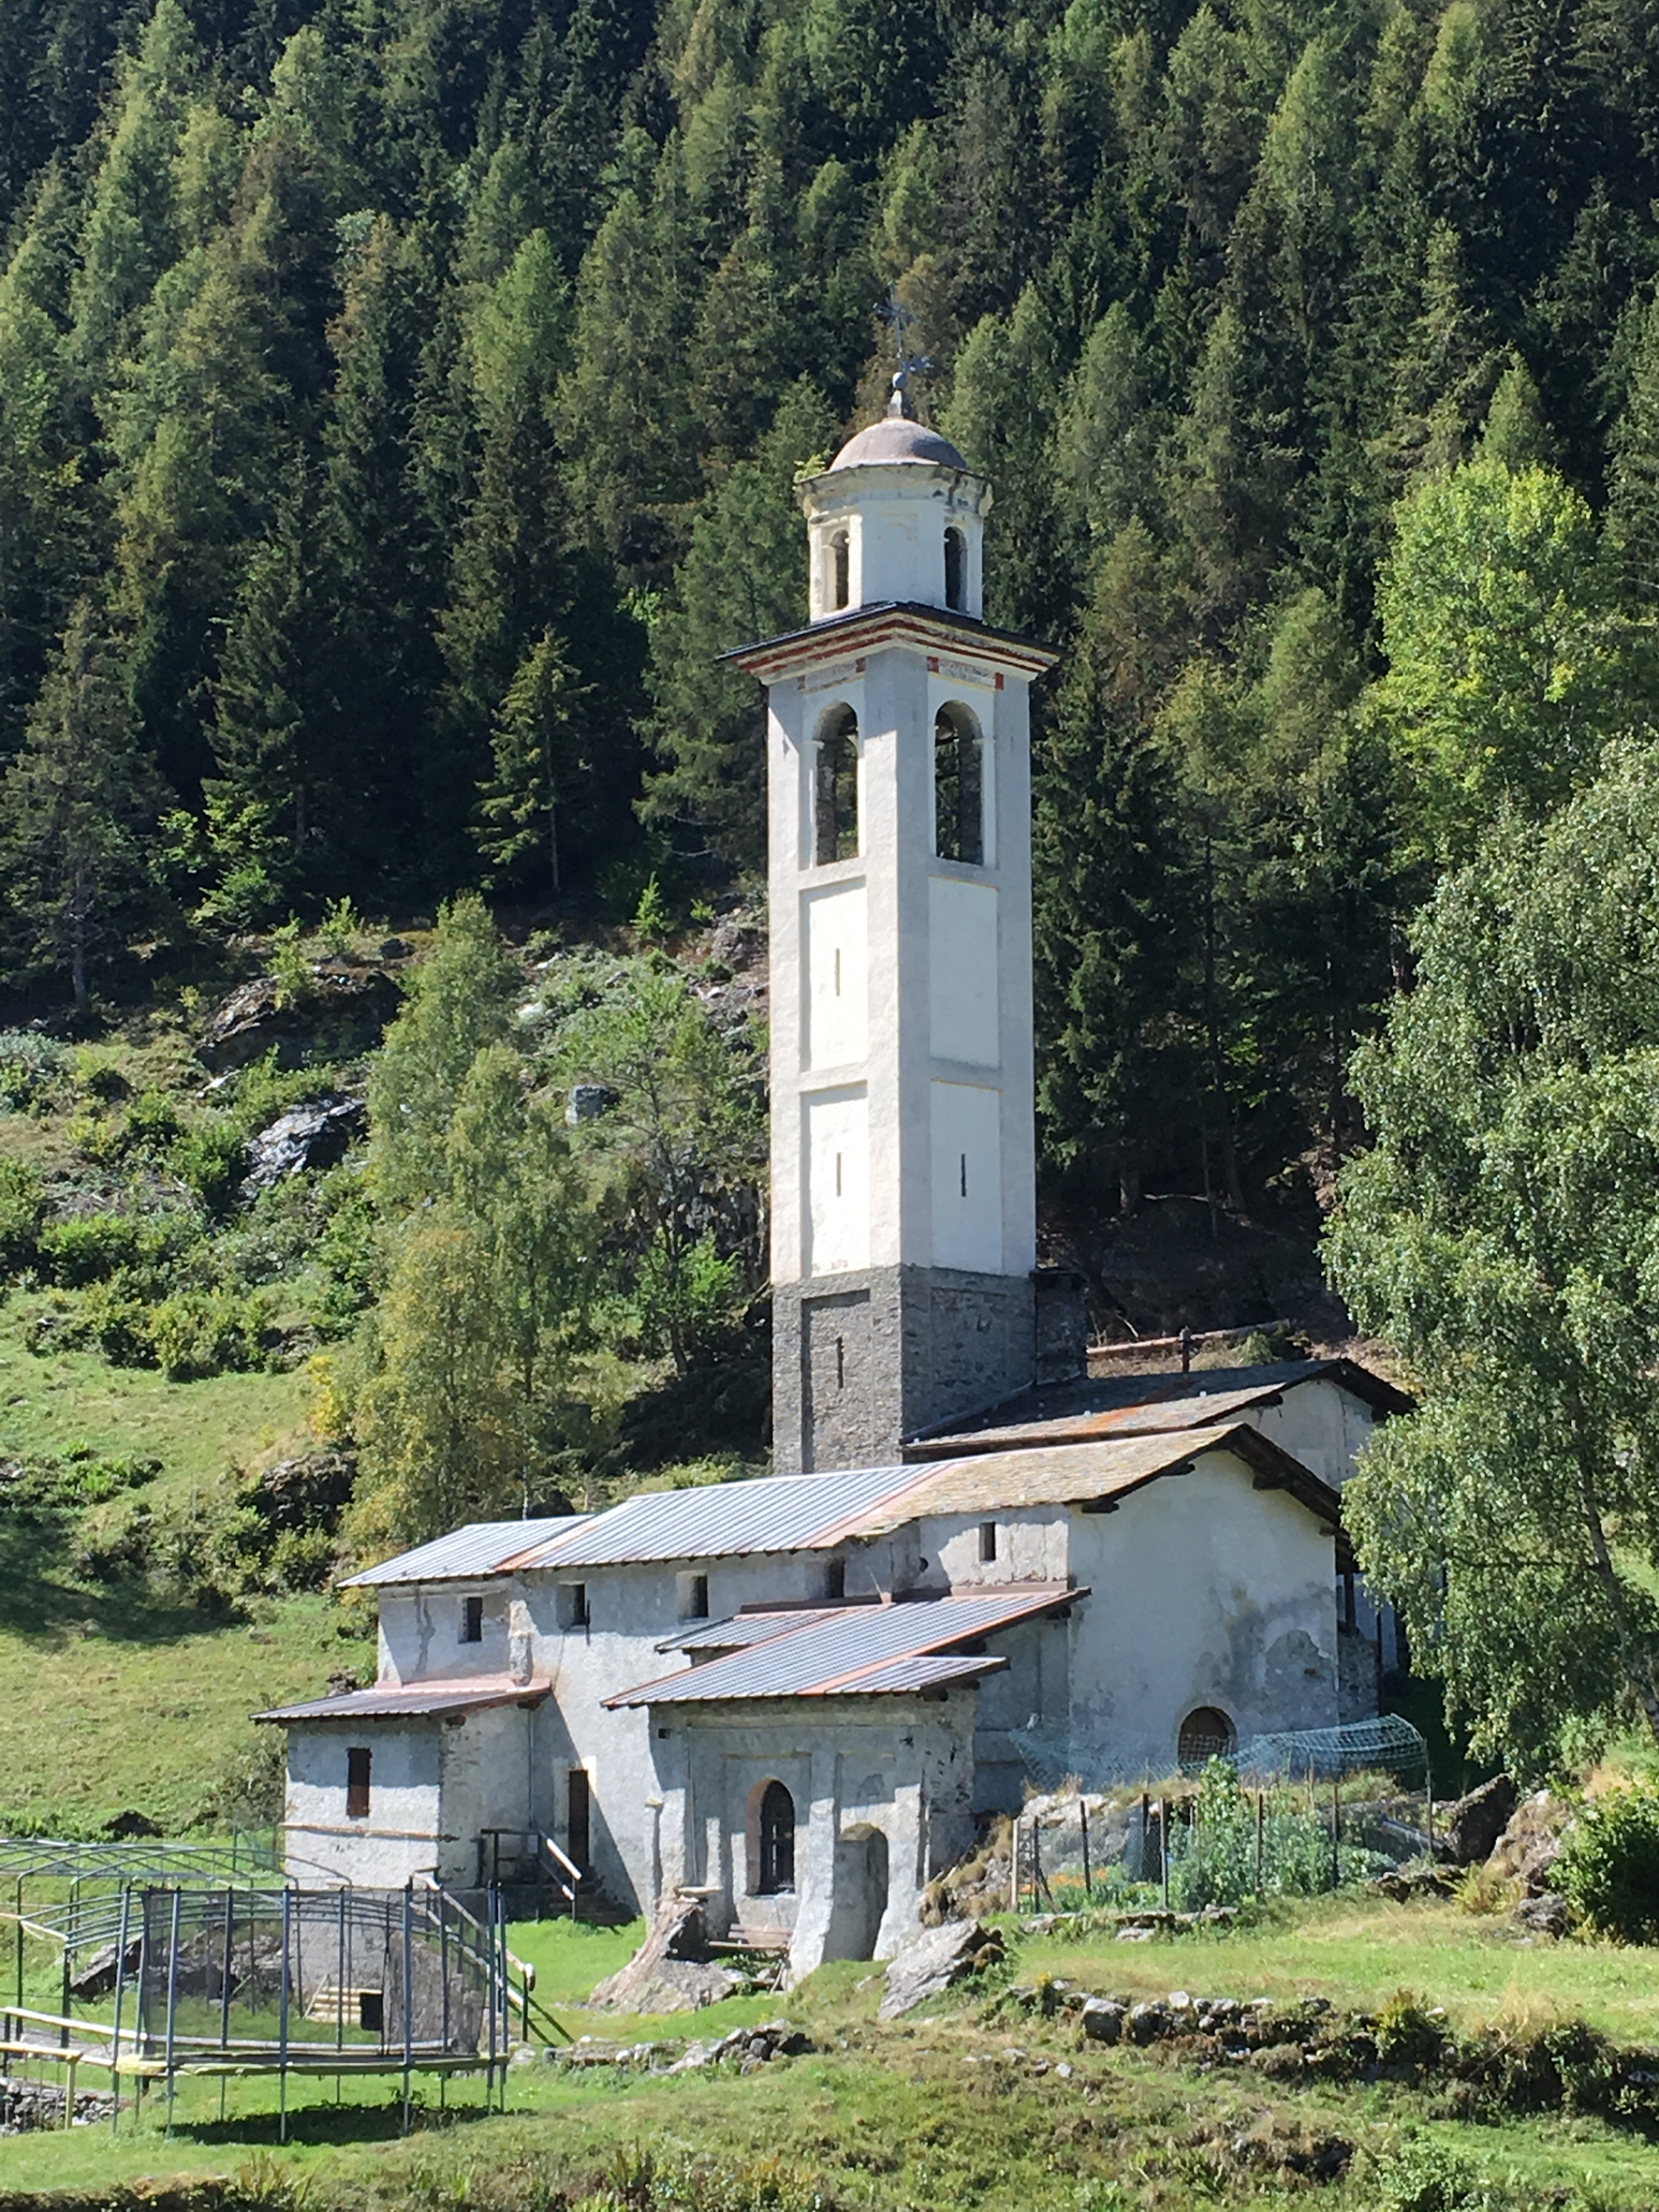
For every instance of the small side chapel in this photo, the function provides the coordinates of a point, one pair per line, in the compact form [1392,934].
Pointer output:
[798,1697]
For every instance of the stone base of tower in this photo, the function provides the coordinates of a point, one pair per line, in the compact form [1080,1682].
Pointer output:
[861,1361]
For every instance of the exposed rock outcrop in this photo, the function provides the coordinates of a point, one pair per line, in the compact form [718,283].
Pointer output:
[934,1960]
[671,1971]
[302,1140]
[1474,1823]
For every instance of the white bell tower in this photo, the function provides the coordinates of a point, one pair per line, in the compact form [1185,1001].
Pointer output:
[899,828]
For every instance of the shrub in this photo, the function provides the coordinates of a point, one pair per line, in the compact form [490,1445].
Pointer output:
[1422,2175]
[92,1248]
[208,1332]
[30,1067]
[210,1158]
[1609,1869]
[20,1216]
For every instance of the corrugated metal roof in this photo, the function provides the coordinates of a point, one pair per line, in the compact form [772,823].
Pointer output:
[478,1549]
[924,1672]
[1079,1474]
[401,1701]
[1129,1405]
[739,1630]
[772,1513]
[834,1655]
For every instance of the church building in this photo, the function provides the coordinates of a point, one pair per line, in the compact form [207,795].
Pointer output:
[797,1696]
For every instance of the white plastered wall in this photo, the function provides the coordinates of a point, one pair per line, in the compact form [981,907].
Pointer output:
[946,953]
[1206,1591]
[899,1766]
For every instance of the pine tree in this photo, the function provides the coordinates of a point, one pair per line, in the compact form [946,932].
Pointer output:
[743,578]
[256,802]
[78,811]
[538,757]
[1111,915]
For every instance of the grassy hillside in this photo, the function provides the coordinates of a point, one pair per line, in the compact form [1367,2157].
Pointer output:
[975,2104]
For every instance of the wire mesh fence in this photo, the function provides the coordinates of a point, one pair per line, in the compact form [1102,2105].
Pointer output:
[295,1975]
[1287,1816]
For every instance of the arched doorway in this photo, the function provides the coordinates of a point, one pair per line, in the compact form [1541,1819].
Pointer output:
[1205,1734]
[859,1898]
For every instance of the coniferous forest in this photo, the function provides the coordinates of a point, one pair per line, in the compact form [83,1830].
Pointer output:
[400,403]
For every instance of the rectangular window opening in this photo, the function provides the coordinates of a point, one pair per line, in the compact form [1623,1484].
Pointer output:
[838,1174]
[987,1542]
[841,1363]
[835,1581]
[578,1802]
[964,1173]
[472,1620]
[357,1784]
[692,1593]
[573,1606]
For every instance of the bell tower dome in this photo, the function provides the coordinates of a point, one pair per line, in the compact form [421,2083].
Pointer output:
[899,869]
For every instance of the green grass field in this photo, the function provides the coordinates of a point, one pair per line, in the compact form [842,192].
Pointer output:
[961,2109]
[66,1401]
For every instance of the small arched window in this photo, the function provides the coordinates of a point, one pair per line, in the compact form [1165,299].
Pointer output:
[835,798]
[1205,1734]
[956,568]
[841,583]
[959,789]
[777,1841]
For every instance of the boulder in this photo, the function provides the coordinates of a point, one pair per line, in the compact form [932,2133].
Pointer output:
[1547,1914]
[934,1960]
[737,946]
[671,1971]
[96,1976]
[1474,1823]
[1531,1844]
[346,1008]
[1102,2019]
[309,1491]
[304,1140]
[588,1101]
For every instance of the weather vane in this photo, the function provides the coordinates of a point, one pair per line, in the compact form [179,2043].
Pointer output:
[893,310]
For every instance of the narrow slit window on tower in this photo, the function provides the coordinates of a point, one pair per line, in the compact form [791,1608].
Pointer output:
[964,1170]
[841,1363]
[838,1174]
[472,1620]
[959,789]
[956,568]
[987,1542]
[840,580]
[835,801]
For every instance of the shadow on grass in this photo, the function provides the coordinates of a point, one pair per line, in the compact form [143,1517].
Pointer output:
[51,1603]
[321,2125]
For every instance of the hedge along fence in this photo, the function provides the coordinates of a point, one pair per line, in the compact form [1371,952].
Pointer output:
[1216,1844]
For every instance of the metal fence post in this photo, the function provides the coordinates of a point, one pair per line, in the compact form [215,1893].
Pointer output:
[1164,1846]
[282,2019]
[408,1993]
[172,1998]
[126,1902]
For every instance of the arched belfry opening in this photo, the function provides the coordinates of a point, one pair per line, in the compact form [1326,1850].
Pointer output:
[835,788]
[841,569]
[958,786]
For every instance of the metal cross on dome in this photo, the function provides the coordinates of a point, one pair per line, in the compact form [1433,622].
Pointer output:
[893,310]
